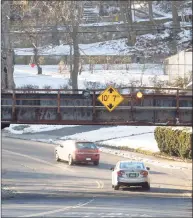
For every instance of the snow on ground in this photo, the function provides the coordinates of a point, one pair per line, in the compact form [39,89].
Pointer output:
[158,11]
[111,47]
[21,129]
[101,24]
[185,36]
[129,136]
[25,75]
[121,22]
[145,141]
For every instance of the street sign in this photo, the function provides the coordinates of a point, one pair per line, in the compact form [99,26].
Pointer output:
[110,98]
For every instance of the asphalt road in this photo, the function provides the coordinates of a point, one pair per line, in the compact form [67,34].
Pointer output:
[45,188]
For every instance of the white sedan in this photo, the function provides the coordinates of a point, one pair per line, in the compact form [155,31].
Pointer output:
[130,173]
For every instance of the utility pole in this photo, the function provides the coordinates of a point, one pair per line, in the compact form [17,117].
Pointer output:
[7,54]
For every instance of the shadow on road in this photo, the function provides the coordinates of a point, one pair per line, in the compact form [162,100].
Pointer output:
[90,165]
[139,194]
[158,190]
[158,173]
[39,176]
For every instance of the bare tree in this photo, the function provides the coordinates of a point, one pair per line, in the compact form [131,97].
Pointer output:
[7,54]
[68,14]
[126,11]
[33,27]
[150,9]
[176,21]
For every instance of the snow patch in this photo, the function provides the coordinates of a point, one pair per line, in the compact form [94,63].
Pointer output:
[16,128]
[25,75]
[131,137]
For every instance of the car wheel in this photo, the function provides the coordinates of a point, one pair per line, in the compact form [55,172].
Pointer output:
[70,160]
[116,187]
[96,163]
[57,157]
[146,186]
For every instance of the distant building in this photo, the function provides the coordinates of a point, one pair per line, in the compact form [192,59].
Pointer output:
[179,65]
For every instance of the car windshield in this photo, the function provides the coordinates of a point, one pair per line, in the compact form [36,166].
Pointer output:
[85,145]
[129,165]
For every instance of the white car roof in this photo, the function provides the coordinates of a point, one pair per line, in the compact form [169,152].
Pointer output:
[127,161]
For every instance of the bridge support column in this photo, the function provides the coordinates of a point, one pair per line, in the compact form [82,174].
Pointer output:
[94,104]
[14,115]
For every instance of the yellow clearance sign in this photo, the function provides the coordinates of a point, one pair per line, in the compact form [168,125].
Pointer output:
[110,98]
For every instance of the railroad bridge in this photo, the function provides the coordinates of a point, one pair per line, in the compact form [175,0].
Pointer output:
[165,106]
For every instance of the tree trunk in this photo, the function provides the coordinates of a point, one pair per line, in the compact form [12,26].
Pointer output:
[71,62]
[36,60]
[76,59]
[176,21]
[176,25]
[55,39]
[7,66]
[150,10]
[126,11]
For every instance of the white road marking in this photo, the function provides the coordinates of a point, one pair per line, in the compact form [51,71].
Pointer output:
[39,160]
[92,214]
[58,210]
[48,163]
[28,167]
[100,184]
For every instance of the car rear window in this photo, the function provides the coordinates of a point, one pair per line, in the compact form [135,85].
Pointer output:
[85,145]
[128,165]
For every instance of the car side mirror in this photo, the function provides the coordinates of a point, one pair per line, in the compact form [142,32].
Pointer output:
[112,168]
[148,168]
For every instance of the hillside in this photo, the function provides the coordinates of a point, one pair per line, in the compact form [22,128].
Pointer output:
[160,41]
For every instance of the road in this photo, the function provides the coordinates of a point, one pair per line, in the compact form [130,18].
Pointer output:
[46,188]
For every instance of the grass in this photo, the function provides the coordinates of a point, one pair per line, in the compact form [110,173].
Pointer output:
[145,152]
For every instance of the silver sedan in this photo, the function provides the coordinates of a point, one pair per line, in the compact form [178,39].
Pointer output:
[130,173]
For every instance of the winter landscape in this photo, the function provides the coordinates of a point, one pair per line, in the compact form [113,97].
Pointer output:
[90,45]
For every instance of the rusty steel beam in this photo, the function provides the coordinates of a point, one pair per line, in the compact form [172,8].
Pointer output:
[80,122]
[92,90]
[56,111]
[102,107]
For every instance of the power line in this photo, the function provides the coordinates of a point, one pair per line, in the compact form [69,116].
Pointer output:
[107,31]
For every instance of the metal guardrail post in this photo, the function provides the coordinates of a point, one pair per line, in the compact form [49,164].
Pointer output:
[132,117]
[94,104]
[154,113]
[177,106]
[58,106]
[13,106]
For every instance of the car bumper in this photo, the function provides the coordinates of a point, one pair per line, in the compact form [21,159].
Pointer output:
[131,184]
[86,159]
[133,181]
